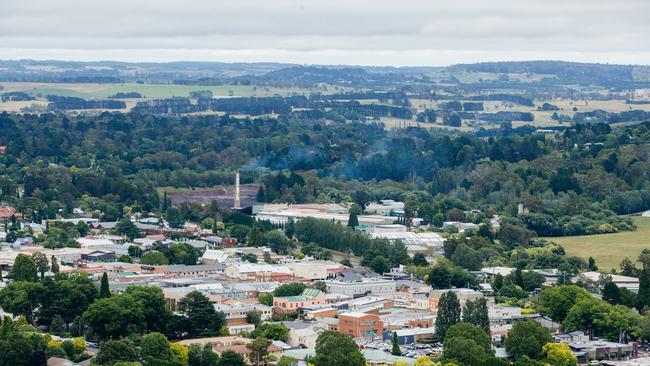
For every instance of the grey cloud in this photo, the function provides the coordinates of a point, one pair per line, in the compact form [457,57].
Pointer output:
[334,31]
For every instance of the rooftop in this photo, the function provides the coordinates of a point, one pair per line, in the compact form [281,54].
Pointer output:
[354,314]
[412,238]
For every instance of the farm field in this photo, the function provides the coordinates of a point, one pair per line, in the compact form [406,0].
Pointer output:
[566,105]
[609,249]
[149,91]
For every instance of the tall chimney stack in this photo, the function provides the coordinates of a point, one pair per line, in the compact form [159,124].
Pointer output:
[237,201]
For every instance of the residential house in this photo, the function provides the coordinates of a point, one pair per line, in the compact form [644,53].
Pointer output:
[572,337]
[7,211]
[236,312]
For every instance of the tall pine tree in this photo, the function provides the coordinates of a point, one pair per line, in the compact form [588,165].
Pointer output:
[261,195]
[396,350]
[353,220]
[155,200]
[643,297]
[448,313]
[519,278]
[255,237]
[54,267]
[165,202]
[476,313]
[290,228]
[611,293]
[104,290]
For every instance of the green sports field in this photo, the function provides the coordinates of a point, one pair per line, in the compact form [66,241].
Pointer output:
[609,249]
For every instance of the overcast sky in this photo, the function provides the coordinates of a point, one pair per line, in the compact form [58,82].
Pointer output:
[363,32]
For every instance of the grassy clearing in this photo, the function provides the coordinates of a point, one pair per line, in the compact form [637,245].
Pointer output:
[99,91]
[607,105]
[609,249]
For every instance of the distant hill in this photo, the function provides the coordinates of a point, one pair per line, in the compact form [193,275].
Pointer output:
[117,72]
[313,75]
[566,72]
[281,74]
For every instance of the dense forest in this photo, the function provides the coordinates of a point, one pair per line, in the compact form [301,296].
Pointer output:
[570,183]
[64,103]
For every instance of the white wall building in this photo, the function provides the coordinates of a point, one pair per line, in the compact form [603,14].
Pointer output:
[432,242]
[279,214]
[304,336]
[239,310]
[385,207]
[211,256]
[242,270]
[378,286]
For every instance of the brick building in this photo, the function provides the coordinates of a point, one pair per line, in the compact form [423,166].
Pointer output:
[360,325]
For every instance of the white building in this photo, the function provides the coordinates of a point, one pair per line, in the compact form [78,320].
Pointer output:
[211,256]
[239,310]
[236,329]
[242,270]
[373,286]
[630,283]
[461,226]
[279,214]
[496,270]
[314,270]
[385,207]
[431,242]
[304,336]
[503,314]
[93,242]
[388,229]
[100,241]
